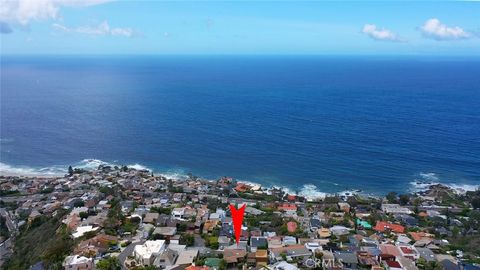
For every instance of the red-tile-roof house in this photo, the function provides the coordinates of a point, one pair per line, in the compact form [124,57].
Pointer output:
[288,207]
[383,226]
[241,187]
[291,198]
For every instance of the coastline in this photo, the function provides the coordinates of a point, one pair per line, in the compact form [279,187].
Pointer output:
[310,190]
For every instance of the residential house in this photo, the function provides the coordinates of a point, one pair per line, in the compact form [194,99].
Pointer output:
[223,241]
[289,240]
[395,209]
[324,233]
[426,254]
[284,266]
[219,215]
[96,245]
[127,206]
[151,218]
[313,246]
[290,209]
[407,220]
[253,211]
[348,259]
[290,252]
[166,259]
[178,213]
[209,225]
[407,264]
[77,262]
[275,242]
[234,256]
[338,230]
[145,254]
[392,265]
[258,243]
[187,257]
[408,251]
[389,249]
[345,207]
[165,232]
[261,257]
[81,230]
[385,227]
[366,259]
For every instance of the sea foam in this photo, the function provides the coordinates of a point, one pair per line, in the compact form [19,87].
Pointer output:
[426,180]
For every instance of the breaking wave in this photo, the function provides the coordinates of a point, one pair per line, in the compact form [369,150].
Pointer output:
[174,174]
[86,164]
[91,164]
[422,182]
[6,169]
[310,191]
[426,180]
[60,170]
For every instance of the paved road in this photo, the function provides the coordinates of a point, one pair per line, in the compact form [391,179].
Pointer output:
[127,252]
[8,220]
[198,241]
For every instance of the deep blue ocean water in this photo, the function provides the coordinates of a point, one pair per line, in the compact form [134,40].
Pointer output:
[374,124]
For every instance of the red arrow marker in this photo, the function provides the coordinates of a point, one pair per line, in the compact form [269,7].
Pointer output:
[237,217]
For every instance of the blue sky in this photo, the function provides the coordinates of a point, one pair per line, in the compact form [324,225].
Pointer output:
[239,27]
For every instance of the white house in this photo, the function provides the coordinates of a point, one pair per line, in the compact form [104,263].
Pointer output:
[339,230]
[145,254]
[289,240]
[391,208]
[81,230]
[313,246]
[77,262]
[178,213]
[219,215]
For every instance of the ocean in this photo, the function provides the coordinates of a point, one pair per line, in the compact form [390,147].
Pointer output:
[312,124]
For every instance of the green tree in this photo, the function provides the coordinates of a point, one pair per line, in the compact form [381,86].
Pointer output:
[392,197]
[78,203]
[223,265]
[404,199]
[83,215]
[187,239]
[476,202]
[110,263]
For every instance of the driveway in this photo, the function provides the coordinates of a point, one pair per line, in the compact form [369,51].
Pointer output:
[198,241]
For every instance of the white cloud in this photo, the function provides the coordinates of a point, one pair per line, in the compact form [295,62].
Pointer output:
[382,34]
[102,29]
[24,11]
[434,29]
